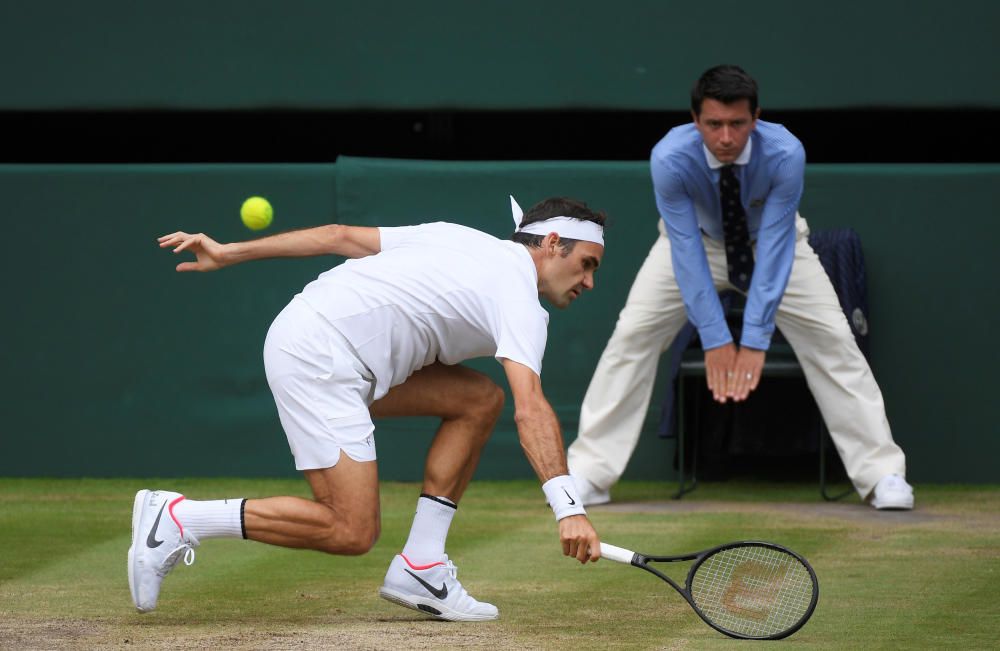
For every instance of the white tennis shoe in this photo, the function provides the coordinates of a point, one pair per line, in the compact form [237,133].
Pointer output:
[893,493]
[433,589]
[158,543]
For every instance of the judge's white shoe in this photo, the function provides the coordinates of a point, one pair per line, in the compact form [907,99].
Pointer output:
[433,589]
[158,543]
[892,493]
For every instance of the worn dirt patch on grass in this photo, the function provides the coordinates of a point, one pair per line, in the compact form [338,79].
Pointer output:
[376,635]
[16,633]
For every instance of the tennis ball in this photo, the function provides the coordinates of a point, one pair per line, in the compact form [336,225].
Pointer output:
[256,213]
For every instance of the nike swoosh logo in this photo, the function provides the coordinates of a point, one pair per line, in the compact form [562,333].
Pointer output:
[151,540]
[440,593]
[572,502]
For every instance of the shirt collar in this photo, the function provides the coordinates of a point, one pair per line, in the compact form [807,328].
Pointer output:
[742,159]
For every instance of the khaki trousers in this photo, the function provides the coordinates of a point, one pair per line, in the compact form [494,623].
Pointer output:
[810,318]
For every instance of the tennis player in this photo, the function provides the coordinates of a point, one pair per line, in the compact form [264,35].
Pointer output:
[381,335]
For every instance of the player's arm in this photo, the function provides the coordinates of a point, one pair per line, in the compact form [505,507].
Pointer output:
[332,239]
[541,438]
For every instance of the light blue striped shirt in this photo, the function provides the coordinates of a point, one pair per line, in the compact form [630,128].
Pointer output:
[686,182]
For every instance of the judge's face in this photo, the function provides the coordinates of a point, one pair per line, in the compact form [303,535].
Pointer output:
[725,128]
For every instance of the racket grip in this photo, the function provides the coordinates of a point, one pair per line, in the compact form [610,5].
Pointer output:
[619,554]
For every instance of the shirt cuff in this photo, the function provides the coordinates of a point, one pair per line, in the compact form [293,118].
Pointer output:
[715,335]
[757,336]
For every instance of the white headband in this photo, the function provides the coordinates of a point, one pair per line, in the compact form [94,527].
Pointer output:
[568,227]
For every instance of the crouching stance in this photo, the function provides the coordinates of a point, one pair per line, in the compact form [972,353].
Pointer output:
[381,336]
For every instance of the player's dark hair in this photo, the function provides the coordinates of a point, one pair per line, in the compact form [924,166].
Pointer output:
[726,84]
[556,207]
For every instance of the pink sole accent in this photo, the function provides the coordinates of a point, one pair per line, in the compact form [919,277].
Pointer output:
[418,567]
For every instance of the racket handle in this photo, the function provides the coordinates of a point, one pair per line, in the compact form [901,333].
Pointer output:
[619,554]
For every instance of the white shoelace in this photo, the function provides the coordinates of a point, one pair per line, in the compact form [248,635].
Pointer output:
[173,557]
[453,573]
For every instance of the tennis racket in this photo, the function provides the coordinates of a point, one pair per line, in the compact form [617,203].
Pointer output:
[749,590]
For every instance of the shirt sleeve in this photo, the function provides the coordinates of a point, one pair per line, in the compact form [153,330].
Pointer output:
[523,335]
[775,251]
[391,237]
[687,252]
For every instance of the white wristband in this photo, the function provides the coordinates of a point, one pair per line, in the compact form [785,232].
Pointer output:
[560,492]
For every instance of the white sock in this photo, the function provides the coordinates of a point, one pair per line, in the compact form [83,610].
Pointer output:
[212,519]
[430,529]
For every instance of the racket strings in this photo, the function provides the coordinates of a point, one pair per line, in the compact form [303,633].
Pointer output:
[754,591]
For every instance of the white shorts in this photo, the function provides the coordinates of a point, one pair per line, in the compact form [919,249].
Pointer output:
[321,388]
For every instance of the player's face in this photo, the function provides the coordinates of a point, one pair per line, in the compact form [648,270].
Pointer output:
[725,128]
[562,280]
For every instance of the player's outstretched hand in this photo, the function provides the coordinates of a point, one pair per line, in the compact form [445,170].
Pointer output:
[579,538]
[208,252]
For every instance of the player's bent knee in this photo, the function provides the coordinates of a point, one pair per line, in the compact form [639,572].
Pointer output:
[484,400]
[353,541]
[359,546]
[489,406]
[493,402]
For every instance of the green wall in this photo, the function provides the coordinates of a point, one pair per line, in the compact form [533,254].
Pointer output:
[115,365]
[637,54]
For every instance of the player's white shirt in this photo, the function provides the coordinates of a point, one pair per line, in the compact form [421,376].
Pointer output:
[435,292]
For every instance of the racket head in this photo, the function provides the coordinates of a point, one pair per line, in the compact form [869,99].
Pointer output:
[753,590]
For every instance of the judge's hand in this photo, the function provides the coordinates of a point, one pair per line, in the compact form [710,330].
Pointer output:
[719,364]
[745,376]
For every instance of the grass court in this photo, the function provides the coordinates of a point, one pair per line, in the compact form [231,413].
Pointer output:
[905,580]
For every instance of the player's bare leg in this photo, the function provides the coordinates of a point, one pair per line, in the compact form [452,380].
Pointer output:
[166,527]
[469,404]
[344,518]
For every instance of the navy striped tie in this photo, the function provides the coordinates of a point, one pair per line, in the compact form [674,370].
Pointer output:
[739,256]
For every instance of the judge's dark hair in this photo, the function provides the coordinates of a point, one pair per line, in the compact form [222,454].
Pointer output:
[726,84]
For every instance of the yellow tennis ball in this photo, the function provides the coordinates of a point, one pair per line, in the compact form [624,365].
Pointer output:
[256,213]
